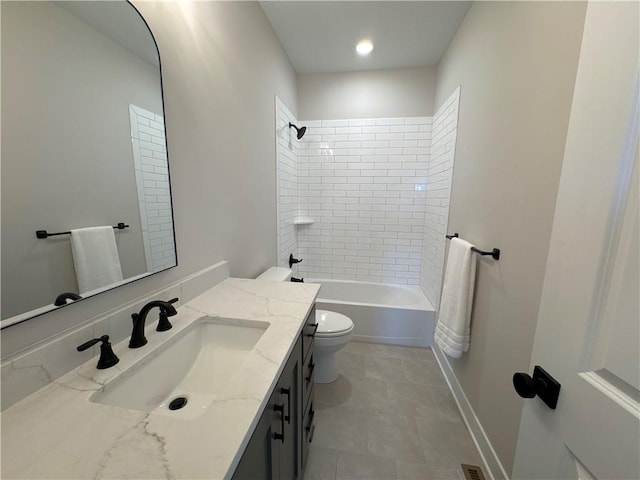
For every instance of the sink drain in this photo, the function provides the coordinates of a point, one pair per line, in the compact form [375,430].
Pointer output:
[177,403]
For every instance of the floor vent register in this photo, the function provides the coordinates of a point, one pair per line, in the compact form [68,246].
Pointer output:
[472,472]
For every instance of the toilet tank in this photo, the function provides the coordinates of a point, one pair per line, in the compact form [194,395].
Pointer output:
[276,274]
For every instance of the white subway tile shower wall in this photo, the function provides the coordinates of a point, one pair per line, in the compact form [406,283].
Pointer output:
[364,182]
[287,182]
[152,181]
[440,174]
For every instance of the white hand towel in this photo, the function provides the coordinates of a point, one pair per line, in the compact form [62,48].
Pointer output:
[453,330]
[95,257]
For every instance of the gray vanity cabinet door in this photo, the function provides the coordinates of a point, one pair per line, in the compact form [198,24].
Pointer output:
[290,397]
[274,451]
[260,460]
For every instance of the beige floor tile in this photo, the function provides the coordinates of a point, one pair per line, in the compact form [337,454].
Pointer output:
[369,394]
[396,351]
[341,428]
[425,354]
[394,436]
[423,371]
[334,393]
[349,364]
[411,399]
[384,368]
[446,444]
[364,467]
[361,393]
[444,402]
[364,348]
[321,464]
[389,415]
[419,471]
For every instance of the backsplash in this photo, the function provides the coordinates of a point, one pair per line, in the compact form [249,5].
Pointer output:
[28,371]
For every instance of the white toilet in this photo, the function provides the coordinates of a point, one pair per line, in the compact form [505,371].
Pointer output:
[334,331]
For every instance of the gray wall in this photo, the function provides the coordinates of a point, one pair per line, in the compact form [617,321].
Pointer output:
[222,65]
[66,152]
[516,63]
[400,92]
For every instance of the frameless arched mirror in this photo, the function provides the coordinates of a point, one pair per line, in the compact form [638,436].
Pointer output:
[83,145]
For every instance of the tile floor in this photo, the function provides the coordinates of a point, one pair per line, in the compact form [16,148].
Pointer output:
[388,416]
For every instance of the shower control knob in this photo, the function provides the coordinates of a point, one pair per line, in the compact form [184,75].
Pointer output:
[292,260]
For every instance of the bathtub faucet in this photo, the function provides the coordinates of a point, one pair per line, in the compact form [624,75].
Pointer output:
[292,260]
[297,280]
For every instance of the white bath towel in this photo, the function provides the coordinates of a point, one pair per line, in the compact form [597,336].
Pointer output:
[95,257]
[453,330]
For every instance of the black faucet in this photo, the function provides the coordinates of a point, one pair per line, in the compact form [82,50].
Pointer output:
[107,357]
[166,310]
[63,297]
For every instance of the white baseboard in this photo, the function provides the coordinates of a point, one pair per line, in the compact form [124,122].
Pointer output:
[491,463]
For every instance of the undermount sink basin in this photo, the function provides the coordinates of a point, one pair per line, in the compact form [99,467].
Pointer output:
[195,364]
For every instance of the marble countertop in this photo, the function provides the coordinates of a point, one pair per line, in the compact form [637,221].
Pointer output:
[58,433]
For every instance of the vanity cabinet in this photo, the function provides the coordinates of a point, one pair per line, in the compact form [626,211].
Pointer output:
[278,448]
[308,382]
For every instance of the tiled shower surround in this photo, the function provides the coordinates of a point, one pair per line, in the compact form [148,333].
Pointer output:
[377,191]
[364,184]
[287,182]
[440,174]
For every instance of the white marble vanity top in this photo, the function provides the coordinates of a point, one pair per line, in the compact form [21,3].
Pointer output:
[58,433]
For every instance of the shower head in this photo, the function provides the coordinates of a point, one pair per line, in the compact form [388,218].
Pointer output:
[300,130]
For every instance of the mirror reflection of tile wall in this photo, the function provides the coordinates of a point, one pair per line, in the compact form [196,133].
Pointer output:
[152,181]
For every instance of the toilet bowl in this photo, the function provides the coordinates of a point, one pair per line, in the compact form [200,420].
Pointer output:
[334,332]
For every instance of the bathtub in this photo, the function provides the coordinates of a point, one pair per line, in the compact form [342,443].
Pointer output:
[381,313]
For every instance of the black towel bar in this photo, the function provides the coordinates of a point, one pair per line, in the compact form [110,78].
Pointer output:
[45,234]
[495,253]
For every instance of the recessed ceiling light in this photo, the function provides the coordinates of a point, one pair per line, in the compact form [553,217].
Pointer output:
[364,47]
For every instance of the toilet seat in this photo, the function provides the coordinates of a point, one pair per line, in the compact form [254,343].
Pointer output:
[332,324]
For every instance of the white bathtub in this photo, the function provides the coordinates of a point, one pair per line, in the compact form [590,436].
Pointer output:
[381,313]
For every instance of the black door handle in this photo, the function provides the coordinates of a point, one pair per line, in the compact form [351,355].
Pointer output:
[280,436]
[541,384]
[287,392]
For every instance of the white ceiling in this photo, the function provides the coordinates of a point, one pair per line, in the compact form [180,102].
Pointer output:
[320,36]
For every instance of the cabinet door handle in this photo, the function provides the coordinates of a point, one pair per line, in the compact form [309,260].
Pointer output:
[287,392]
[280,436]
[310,428]
[315,329]
[312,367]
[312,413]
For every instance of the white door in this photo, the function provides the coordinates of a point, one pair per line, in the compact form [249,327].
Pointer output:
[588,334]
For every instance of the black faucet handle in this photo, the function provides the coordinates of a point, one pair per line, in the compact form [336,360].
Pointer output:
[293,261]
[163,321]
[107,357]
[171,311]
